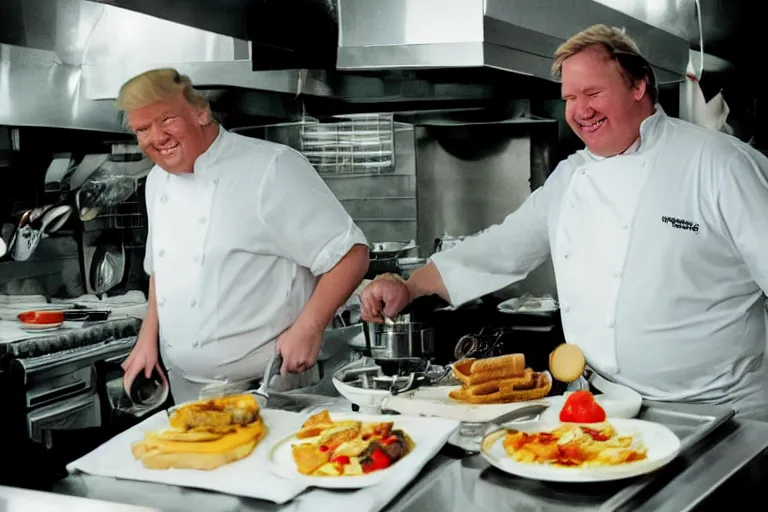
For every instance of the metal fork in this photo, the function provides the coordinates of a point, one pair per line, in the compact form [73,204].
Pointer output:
[476,431]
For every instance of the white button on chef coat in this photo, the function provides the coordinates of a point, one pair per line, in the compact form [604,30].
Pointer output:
[682,219]
[265,225]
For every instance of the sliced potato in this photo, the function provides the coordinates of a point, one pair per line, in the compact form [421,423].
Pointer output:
[312,431]
[328,469]
[308,457]
[188,436]
[353,468]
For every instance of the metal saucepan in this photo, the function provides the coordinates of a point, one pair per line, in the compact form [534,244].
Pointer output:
[143,396]
[401,340]
[390,250]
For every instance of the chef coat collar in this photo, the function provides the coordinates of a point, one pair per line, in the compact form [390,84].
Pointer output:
[650,129]
[203,163]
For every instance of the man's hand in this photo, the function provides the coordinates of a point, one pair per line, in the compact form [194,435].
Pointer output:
[387,295]
[143,358]
[299,348]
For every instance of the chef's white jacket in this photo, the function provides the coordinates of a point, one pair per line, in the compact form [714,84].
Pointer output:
[660,257]
[236,249]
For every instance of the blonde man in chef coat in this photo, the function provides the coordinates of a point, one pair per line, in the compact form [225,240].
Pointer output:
[658,231]
[248,251]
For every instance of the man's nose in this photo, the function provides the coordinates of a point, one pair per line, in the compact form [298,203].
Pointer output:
[157,135]
[584,110]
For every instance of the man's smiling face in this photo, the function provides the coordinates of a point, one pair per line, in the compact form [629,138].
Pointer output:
[601,105]
[171,132]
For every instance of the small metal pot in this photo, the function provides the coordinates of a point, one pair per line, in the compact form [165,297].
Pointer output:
[401,340]
[390,250]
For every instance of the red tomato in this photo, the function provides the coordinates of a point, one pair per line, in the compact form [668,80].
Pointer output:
[581,407]
[594,434]
[378,460]
[341,459]
[388,441]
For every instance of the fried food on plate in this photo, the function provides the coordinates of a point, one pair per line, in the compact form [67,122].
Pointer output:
[574,445]
[498,380]
[347,447]
[204,435]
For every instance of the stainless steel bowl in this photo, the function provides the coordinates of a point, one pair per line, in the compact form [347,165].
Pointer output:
[390,250]
[401,340]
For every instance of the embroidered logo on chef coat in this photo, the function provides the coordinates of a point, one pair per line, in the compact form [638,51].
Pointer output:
[683,224]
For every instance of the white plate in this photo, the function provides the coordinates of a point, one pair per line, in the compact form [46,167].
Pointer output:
[369,400]
[618,402]
[40,327]
[529,304]
[662,444]
[428,435]
[435,401]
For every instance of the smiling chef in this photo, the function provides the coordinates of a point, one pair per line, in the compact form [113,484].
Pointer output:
[248,251]
[658,232]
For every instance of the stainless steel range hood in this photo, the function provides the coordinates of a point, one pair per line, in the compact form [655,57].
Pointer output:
[511,35]
[63,61]
[285,34]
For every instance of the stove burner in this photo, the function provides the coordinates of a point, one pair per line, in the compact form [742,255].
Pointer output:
[402,367]
[373,377]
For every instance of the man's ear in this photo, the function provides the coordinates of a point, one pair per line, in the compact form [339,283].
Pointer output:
[203,117]
[641,86]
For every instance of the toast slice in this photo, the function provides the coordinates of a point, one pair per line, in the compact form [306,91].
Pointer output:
[478,371]
[156,452]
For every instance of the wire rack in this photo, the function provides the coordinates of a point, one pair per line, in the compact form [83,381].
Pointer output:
[130,217]
[358,144]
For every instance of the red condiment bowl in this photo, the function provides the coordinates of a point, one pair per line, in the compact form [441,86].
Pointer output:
[41,317]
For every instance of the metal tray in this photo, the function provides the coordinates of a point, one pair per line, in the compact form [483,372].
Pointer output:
[691,423]
[470,484]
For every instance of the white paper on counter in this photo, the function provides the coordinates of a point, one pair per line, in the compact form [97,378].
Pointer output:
[249,477]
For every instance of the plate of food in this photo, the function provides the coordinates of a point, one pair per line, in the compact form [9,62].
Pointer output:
[352,451]
[219,444]
[204,435]
[581,452]
[489,388]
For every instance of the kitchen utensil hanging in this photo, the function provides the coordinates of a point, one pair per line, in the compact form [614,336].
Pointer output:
[35,225]
[104,263]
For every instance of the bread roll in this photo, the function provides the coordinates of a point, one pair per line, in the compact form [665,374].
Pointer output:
[567,363]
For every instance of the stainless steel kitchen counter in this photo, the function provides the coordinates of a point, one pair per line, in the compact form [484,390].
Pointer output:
[24,500]
[452,482]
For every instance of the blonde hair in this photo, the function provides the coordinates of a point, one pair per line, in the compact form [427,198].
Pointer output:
[158,85]
[620,47]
